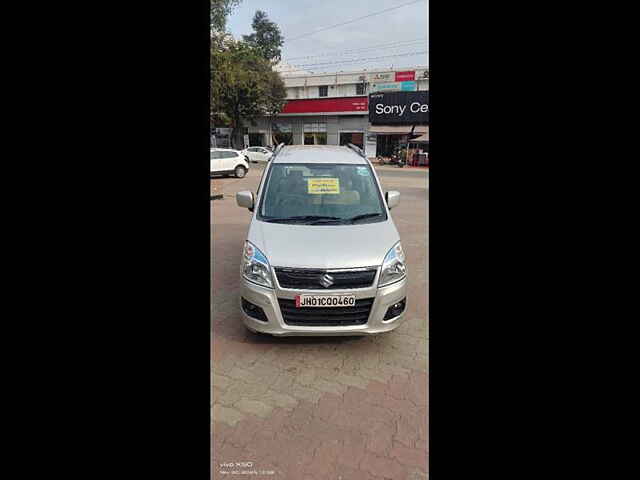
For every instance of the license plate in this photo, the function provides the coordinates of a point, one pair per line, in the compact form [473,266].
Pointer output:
[325,301]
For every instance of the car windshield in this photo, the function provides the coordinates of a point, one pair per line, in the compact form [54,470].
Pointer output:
[321,194]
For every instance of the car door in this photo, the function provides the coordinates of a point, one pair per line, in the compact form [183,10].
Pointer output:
[257,155]
[252,153]
[265,154]
[229,160]
[216,161]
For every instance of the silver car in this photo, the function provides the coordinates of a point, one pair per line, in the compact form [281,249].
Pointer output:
[322,256]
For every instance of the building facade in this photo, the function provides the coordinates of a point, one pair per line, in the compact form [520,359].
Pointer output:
[333,109]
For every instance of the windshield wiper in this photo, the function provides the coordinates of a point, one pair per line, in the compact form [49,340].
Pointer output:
[364,215]
[300,218]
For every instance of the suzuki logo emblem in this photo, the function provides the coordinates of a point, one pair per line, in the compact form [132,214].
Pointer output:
[326,280]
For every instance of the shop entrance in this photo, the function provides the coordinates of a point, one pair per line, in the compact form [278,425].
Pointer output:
[282,137]
[357,138]
[387,144]
[256,139]
[315,138]
[315,133]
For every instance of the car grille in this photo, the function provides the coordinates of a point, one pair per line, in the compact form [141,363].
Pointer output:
[325,317]
[306,279]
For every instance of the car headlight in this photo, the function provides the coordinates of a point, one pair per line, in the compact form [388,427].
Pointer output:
[255,266]
[393,267]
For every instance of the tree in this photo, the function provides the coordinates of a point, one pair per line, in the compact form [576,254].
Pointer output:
[266,38]
[243,86]
[219,11]
[275,98]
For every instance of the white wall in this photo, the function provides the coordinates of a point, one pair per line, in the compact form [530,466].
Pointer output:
[344,83]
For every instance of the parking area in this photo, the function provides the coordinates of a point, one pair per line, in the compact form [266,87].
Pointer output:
[320,408]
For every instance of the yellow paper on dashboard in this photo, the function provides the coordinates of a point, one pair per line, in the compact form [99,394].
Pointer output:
[323,186]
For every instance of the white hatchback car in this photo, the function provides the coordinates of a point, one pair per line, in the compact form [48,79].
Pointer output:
[258,154]
[225,161]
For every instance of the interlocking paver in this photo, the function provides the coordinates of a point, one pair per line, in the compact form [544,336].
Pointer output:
[254,407]
[383,466]
[339,408]
[410,456]
[328,386]
[230,416]
[279,399]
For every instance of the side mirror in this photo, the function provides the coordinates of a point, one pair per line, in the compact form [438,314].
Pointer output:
[245,199]
[393,198]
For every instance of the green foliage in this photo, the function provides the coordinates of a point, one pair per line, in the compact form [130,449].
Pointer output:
[220,10]
[275,93]
[266,38]
[243,85]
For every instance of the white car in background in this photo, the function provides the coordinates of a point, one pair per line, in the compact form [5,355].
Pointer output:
[258,154]
[225,161]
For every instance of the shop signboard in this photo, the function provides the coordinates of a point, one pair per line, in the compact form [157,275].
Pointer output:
[405,76]
[381,77]
[394,87]
[327,105]
[399,108]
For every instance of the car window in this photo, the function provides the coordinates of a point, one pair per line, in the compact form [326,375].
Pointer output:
[328,190]
[228,154]
[215,155]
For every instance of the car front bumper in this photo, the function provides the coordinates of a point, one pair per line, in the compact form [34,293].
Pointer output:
[267,299]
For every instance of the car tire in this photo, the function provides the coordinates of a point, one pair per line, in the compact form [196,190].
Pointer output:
[240,171]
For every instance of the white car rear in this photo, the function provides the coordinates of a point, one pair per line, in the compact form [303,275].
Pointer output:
[225,161]
[258,154]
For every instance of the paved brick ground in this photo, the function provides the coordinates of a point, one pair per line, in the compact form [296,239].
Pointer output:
[319,408]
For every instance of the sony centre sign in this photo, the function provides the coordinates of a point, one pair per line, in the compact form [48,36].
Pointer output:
[399,108]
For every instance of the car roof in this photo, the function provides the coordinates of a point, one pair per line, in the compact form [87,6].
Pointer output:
[318,154]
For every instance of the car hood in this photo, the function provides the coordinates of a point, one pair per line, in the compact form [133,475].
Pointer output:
[324,246]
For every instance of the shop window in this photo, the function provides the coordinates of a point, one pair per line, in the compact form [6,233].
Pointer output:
[323,91]
[352,137]
[315,127]
[281,127]
[281,137]
[256,139]
[360,89]
[315,133]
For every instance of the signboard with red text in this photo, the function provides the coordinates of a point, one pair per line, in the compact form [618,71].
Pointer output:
[405,76]
[327,105]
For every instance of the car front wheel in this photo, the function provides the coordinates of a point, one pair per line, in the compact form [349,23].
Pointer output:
[240,171]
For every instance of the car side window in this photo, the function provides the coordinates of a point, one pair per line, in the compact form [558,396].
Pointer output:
[215,155]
